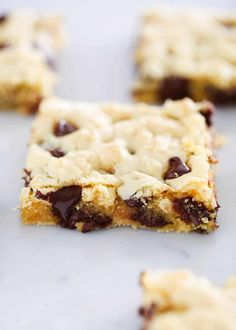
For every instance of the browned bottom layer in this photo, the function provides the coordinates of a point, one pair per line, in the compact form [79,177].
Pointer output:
[176,87]
[22,98]
[131,213]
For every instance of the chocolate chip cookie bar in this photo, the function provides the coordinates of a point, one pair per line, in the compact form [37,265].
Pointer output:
[186,54]
[181,301]
[103,165]
[28,43]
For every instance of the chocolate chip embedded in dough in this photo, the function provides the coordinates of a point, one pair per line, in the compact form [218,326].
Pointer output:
[174,87]
[190,211]
[148,312]
[58,153]
[177,168]
[63,202]
[64,127]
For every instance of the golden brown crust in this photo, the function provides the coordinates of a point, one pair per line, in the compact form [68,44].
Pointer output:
[23,98]
[40,212]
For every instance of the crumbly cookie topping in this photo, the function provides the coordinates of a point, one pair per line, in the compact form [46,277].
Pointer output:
[123,148]
[188,44]
[180,300]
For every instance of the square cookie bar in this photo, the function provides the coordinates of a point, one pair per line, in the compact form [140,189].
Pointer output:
[28,43]
[186,54]
[102,165]
[179,300]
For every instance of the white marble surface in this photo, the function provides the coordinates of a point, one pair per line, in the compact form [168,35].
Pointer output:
[52,278]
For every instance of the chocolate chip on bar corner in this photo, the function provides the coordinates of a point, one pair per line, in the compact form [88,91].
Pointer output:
[102,165]
[178,55]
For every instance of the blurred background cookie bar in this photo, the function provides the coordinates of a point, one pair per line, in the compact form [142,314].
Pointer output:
[186,53]
[179,300]
[28,43]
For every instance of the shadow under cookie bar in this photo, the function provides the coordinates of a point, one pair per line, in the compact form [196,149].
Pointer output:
[86,168]
[180,299]
[28,44]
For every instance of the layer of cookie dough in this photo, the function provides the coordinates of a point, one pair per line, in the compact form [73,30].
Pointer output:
[186,53]
[28,44]
[179,300]
[92,166]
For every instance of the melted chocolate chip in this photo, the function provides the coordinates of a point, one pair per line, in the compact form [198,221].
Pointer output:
[208,113]
[174,87]
[190,211]
[3,18]
[64,127]
[58,153]
[177,168]
[144,215]
[27,177]
[65,205]
[63,202]
[148,312]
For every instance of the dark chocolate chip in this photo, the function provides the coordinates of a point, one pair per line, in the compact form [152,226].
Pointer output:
[135,202]
[65,205]
[58,153]
[150,218]
[177,168]
[3,18]
[190,211]
[4,45]
[201,231]
[148,312]
[208,113]
[63,202]
[144,215]
[174,87]
[92,220]
[221,96]
[64,127]
[27,177]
